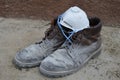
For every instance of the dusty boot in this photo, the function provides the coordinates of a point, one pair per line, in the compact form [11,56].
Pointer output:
[32,55]
[71,56]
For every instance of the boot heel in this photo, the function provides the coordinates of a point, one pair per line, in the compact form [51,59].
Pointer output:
[97,54]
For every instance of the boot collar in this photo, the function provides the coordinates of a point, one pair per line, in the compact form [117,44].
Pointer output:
[95,26]
[89,35]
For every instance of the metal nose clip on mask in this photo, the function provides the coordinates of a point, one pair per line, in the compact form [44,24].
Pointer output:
[75,19]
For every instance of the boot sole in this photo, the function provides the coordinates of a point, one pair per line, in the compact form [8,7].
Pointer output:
[65,73]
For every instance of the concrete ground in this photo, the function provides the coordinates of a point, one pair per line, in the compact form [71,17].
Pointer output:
[16,34]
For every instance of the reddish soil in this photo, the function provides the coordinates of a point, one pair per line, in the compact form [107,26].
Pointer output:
[107,10]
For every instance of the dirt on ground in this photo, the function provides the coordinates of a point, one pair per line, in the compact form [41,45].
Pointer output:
[16,34]
[107,10]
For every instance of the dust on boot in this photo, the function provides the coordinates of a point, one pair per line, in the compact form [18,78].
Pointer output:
[83,41]
[32,55]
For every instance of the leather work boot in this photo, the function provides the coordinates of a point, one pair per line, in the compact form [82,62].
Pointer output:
[32,55]
[70,57]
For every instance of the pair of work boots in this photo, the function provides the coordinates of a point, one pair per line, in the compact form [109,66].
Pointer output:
[58,57]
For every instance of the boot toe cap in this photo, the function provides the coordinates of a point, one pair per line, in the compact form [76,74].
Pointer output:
[25,58]
[54,68]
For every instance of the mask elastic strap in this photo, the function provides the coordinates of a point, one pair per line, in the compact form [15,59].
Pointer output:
[70,34]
